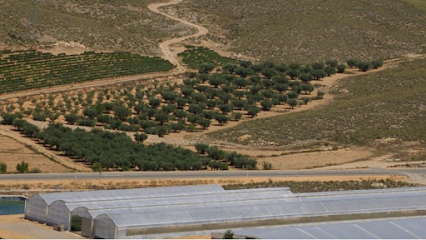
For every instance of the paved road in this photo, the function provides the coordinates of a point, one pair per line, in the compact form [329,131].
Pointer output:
[418,173]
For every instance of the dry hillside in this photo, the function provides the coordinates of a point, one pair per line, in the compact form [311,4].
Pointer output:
[310,30]
[100,25]
[378,109]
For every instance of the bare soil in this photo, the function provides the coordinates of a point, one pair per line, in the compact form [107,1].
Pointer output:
[165,46]
[16,227]
[185,139]
[13,152]
[35,186]
[317,159]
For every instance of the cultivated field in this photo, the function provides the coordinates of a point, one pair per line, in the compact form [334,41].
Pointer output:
[23,70]
[223,90]
[226,102]
[378,109]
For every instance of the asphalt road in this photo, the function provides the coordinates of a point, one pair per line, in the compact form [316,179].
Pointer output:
[412,173]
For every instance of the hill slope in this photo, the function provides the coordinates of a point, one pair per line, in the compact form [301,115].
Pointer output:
[387,104]
[310,30]
[101,25]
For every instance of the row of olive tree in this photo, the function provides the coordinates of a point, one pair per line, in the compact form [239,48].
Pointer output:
[115,150]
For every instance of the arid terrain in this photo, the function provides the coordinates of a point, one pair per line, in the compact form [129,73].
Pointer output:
[328,94]
[246,136]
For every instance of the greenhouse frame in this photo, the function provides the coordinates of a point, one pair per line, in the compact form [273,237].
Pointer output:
[211,207]
[36,207]
[61,212]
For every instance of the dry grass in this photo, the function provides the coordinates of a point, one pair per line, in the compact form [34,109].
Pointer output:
[309,30]
[13,152]
[100,25]
[315,159]
[34,186]
[380,109]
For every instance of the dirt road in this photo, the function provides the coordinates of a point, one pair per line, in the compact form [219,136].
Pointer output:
[165,46]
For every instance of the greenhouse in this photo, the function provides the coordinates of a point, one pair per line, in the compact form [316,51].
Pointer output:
[61,212]
[394,228]
[36,207]
[141,223]
[140,213]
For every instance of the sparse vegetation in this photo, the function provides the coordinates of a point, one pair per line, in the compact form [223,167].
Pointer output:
[114,25]
[22,167]
[388,104]
[308,186]
[306,30]
[3,168]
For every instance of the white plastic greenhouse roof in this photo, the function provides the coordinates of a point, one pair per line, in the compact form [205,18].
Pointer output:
[372,202]
[400,228]
[237,197]
[196,198]
[358,192]
[104,195]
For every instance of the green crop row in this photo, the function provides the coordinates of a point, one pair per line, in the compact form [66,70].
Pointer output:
[31,69]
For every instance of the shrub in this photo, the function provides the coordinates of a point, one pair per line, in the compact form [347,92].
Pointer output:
[330,70]
[363,66]
[71,118]
[341,68]
[292,102]
[201,148]
[177,127]
[222,119]
[237,116]
[352,63]
[140,138]
[35,170]
[266,105]
[267,166]
[97,167]
[376,64]
[39,117]
[253,111]
[3,168]
[320,95]
[22,167]
[86,122]
[8,118]
[332,63]
[204,123]
[215,153]
[228,235]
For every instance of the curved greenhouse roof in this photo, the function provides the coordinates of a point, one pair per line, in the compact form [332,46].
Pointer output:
[106,195]
[140,212]
[37,206]
[59,211]
[223,196]
[399,228]
[272,209]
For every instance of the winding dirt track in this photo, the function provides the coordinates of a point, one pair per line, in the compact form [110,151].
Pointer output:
[167,54]
[164,46]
